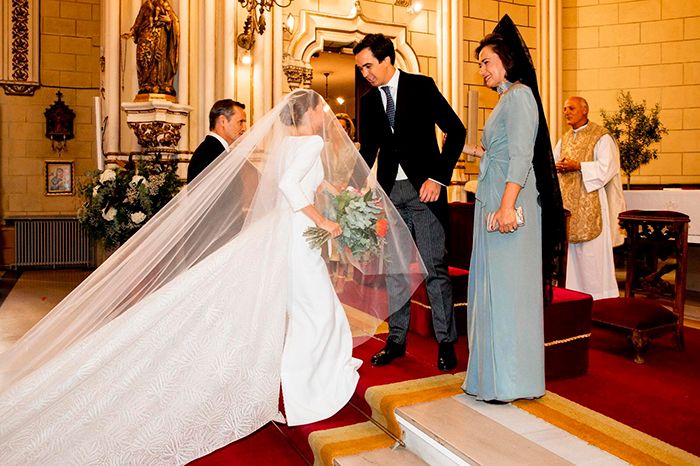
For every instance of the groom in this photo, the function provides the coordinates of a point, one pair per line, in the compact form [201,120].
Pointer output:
[397,119]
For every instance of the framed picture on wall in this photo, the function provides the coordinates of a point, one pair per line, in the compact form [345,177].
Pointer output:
[59,177]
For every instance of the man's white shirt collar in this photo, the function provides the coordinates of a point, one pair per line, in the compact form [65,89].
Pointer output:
[221,140]
[393,84]
[394,81]
[580,128]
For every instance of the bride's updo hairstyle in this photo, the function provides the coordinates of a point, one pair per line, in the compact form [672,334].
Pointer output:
[300,102]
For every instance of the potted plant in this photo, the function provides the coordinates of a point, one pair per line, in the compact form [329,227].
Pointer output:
[635,131]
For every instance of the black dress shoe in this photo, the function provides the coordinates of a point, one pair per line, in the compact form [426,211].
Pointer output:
[387,354]
[447,359]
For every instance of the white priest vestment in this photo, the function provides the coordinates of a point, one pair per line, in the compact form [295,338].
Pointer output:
[590,265]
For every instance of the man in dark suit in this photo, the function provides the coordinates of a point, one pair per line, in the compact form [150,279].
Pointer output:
[397,120]
[227,121]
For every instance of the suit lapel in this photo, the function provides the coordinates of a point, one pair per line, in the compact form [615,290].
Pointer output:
[403,94]
[383,121]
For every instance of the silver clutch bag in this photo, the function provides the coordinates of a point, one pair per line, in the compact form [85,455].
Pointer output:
[519,219]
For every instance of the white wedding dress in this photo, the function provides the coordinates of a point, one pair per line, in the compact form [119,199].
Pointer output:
[198,363]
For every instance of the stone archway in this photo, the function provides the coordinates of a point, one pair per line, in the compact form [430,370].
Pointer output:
[317,29]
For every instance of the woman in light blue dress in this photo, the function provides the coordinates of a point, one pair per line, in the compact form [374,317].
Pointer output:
[505,310]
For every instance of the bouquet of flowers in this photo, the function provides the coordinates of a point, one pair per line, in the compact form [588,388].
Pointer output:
[361,216]
[117,202]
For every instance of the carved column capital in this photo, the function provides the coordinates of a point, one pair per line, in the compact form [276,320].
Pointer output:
[298,73]
[157,124]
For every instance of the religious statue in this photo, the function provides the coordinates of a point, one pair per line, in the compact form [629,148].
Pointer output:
[156,33]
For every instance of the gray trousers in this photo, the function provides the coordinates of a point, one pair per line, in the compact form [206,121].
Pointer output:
[430,239]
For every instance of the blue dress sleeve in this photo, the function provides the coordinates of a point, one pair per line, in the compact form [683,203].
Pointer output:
[521,130]
[303,159]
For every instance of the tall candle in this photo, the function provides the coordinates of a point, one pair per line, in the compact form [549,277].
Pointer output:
[98,134]
[472,120]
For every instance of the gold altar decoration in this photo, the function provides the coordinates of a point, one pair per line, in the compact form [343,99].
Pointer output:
[255,22]
[156,32]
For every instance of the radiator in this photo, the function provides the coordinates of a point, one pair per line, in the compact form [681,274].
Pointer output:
[52,242]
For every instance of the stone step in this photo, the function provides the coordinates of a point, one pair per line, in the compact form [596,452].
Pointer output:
[384,456]
[461,431]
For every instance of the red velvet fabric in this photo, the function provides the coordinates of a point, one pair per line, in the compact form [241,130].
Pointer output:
[567,317]
[459,238]
[632,313]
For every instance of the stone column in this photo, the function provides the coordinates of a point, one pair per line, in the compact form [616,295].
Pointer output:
[183,71]
[549,63]
[110,37]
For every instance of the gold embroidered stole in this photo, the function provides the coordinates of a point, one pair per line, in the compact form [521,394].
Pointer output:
[586,222]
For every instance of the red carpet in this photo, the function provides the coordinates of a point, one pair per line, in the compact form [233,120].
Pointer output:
[415,365]
[660,397]
[267,446]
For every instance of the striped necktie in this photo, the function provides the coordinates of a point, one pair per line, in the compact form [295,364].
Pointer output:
[390,108]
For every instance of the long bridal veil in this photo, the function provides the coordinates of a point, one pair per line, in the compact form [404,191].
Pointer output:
[234,196]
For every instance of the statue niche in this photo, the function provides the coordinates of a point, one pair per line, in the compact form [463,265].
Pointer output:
[156,32]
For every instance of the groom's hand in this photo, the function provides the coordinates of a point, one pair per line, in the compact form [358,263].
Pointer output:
[430,191]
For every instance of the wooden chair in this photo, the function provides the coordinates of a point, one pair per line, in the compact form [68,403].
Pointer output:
[651,306]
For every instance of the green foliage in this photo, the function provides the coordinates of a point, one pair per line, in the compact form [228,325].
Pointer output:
[361,218]
[117,202]
[635,131]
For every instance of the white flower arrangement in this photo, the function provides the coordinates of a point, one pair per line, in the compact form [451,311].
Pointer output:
[108,175]
[117,202]
[109,214]
[138,217]
[136,179]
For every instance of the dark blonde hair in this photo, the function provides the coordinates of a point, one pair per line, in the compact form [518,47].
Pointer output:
[346,118]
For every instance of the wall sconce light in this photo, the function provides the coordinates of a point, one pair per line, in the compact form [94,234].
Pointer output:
[415,7]
[255,22]
[412,6]
[289,23]
[246,58]
[59,124]
[340,100]
[356,9]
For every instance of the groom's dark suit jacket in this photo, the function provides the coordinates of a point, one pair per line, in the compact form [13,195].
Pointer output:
[203,155]
[419,107]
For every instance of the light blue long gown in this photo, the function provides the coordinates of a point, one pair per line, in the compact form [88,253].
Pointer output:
[506,336]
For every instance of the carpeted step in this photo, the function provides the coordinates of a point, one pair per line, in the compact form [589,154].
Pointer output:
[300,436]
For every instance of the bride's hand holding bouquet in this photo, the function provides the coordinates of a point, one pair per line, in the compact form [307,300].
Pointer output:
[330,227]
[360,217]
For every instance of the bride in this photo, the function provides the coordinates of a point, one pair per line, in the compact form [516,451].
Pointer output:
[182,340]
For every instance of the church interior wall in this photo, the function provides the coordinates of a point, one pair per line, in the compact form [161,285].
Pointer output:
[649,47]
[479,19]
[652,49]
[70,61]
